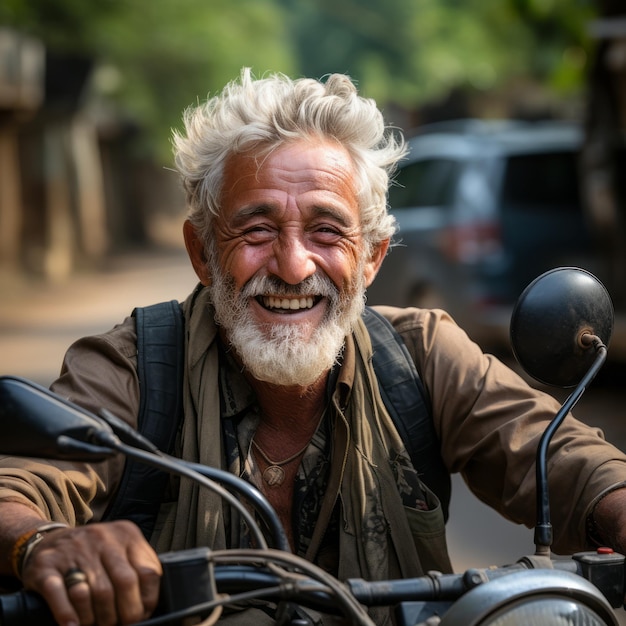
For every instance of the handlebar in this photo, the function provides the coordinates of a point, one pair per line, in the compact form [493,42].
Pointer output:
[197,581]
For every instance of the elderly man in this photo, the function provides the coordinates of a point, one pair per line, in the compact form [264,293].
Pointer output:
[286,184]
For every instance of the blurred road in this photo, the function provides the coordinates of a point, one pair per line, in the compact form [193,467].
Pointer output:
[38,321]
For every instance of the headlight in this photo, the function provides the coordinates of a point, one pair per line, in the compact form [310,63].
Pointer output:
[532,597]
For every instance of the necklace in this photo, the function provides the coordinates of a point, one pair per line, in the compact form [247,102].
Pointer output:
[274,474]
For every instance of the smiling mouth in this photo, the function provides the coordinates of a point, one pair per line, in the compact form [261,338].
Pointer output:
[281,303]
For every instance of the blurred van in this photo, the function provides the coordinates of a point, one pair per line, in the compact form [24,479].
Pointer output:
[483,207]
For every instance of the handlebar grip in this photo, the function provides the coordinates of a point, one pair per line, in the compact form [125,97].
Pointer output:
[24,607]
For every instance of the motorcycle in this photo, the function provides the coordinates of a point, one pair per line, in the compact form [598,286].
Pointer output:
[560,329]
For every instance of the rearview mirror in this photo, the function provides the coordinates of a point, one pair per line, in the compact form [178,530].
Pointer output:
[550,320]
[34,420]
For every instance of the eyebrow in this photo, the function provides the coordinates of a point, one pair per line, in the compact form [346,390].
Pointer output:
[267,209]
[326,211]
[246,212]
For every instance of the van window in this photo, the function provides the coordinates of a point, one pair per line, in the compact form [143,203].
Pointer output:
[542,181]
[426,183]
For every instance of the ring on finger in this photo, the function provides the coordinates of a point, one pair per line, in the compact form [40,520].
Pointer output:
[74,576]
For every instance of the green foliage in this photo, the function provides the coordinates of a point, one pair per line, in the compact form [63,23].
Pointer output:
[172,54]
[369,39]
[155,57]
[64,25]
[410,51]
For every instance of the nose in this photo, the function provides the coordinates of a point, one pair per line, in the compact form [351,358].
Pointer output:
[292,261]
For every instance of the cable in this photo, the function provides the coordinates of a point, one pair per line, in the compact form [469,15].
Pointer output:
[348,603]
[181,469]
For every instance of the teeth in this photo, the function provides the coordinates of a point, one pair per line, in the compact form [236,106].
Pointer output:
[292,304]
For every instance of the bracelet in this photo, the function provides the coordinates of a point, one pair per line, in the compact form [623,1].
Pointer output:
[25,544]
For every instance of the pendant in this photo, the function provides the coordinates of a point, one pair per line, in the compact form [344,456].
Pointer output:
[273,475]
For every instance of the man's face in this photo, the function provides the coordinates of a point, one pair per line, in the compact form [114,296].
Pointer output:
[289,269]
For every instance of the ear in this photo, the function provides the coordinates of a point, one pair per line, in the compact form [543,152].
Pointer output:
[375,261]
[195,250]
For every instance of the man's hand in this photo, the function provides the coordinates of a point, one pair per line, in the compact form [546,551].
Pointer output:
[609,517]
[122,574]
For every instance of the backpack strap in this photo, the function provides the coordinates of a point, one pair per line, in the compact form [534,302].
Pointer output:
[408,404]
[160,362]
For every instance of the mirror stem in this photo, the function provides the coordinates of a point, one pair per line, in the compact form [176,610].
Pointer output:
[543,528]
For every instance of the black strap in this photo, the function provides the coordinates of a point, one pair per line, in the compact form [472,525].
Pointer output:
[160,362]
[408,404]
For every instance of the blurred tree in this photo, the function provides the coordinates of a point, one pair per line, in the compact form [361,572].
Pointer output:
[560,38]
[164,55]
[155,58]
[136,64]
[413,52]
[64,25]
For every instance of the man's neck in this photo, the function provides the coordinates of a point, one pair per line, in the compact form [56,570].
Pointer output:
[291,407]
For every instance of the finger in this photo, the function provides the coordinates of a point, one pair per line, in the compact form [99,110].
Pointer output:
[92,599]
[136,578]
[101,592]
[52,588]
[127,594]
[90,595]
[80,597]
[149,570]
[149,585]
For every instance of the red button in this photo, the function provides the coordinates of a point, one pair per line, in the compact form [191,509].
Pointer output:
[605,551]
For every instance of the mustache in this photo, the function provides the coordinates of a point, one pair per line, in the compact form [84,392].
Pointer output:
[315,285]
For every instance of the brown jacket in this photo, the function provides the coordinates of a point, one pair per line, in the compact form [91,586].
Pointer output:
[488,419]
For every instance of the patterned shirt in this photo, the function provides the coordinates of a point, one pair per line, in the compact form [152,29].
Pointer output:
[240,417]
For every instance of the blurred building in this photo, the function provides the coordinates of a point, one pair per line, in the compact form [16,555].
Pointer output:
[52,208]
[70,188]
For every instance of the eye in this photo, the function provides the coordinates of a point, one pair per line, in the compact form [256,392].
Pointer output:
[326,233]
[330,224]
[258,233]
[328,229]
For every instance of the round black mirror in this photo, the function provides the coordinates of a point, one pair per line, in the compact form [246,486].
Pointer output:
[549,320]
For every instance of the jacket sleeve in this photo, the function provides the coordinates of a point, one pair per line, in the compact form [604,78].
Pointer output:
[490,421]
[97,372]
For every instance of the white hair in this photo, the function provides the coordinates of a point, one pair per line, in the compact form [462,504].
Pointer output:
[262,114]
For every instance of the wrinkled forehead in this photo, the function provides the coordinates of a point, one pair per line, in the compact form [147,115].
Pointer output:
[306,164]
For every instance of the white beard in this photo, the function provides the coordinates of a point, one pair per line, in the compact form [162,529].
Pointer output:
[286,354]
